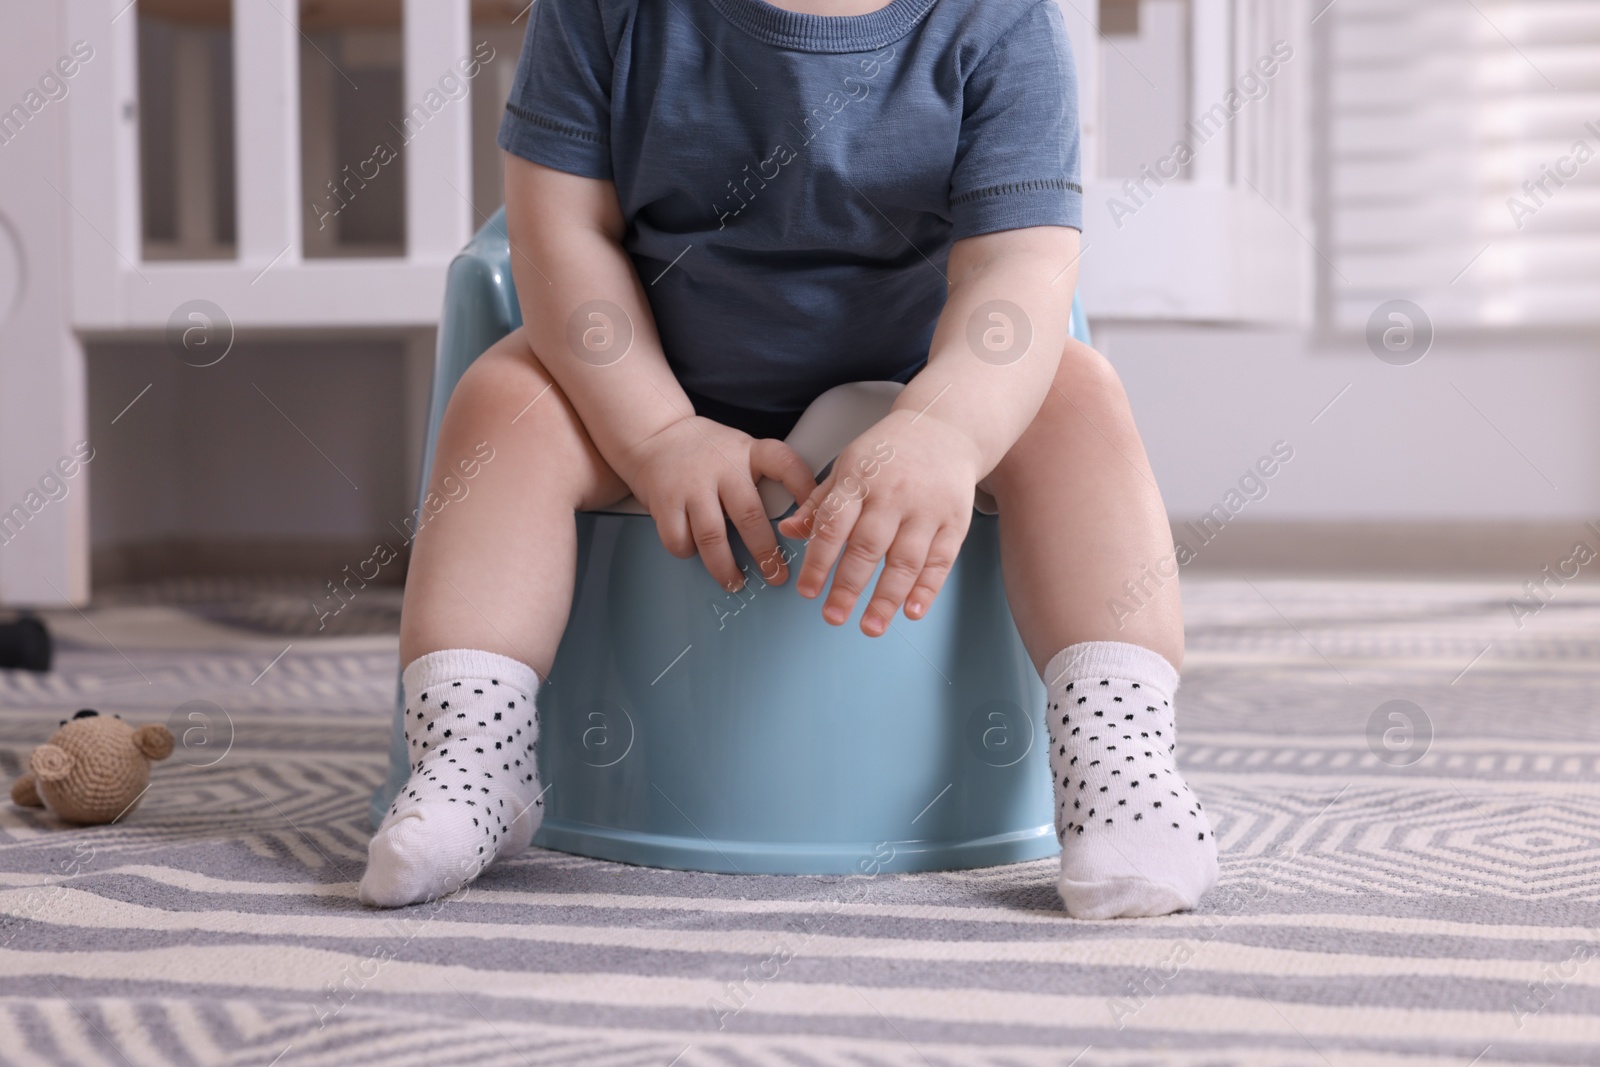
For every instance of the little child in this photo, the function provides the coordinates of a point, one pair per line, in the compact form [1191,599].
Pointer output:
[718,210]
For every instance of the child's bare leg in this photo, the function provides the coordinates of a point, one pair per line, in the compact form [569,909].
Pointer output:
[485,606]
[495,569]
[1080,516]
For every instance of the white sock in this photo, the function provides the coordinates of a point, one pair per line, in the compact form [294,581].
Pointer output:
[1134,839]
[473,796]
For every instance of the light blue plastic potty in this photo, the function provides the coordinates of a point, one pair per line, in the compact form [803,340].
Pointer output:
[686,727]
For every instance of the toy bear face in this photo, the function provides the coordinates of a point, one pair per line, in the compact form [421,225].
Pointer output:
[95,768]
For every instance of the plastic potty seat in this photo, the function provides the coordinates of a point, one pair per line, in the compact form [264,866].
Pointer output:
[685,726]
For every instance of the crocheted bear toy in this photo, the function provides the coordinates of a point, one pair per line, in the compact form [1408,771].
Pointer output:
[94,769]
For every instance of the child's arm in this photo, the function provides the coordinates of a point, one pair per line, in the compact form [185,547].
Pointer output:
[688,471]
[990,394]
[914,473]
[565,235]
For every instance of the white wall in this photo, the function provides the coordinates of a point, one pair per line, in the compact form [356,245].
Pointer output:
[1402,444]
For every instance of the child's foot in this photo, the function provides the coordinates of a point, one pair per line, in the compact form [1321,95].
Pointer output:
[473,795]
[1134,840]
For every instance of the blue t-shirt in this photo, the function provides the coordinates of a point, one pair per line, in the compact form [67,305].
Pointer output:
[791,184]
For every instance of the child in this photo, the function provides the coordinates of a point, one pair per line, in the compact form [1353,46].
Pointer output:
[718,210]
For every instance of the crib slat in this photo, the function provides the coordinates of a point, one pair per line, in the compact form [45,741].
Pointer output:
[438,128]
[266,63]
[1212,76]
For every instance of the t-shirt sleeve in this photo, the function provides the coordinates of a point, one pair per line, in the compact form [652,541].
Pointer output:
[559,113]
[1017,155]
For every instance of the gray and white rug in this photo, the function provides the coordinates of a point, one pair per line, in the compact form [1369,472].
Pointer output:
[1422,891]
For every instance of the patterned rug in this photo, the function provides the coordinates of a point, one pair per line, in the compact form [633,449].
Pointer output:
[1404,786]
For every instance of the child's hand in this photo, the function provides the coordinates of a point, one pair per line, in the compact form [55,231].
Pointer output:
[691,473]
[901,492]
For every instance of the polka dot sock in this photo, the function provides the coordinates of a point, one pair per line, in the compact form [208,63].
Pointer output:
[473,796]
[1134,839]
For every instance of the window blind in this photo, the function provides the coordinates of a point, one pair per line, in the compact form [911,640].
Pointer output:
[1461,161]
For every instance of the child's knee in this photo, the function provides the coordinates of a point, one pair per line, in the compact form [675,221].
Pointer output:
[1087,378]
[507,397]
[500,382]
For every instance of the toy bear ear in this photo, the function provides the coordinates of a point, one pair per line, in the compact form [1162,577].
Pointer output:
[24,794]
[50,763]
[154,740]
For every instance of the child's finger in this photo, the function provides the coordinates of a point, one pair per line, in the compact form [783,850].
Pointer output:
[826,529]
[800,523]
[902,565]
[770,458]
[870,538]
[743,505]
[935,569]
[710,529]
[796,524]
[672,526]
